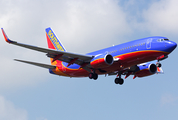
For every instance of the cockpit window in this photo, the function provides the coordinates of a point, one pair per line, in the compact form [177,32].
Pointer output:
[160,40]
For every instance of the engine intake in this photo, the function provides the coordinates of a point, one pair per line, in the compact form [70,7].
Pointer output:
[108,59]
[152,68]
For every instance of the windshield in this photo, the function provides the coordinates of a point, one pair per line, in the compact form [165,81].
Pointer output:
[162,39]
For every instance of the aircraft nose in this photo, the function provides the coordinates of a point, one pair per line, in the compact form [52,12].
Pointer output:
[172,45]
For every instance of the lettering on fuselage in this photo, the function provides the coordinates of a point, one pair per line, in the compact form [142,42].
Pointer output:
[54,40]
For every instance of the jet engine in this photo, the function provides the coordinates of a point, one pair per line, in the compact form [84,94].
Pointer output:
[146,70]
[101,61]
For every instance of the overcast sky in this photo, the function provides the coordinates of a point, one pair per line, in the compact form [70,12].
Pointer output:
[31,93]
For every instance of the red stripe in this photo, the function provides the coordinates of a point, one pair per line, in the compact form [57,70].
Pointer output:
[50,44]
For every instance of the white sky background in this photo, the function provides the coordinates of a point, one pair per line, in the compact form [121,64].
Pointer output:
[84,26]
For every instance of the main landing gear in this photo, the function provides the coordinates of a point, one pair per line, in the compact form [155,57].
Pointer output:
[93,76]
[119,80]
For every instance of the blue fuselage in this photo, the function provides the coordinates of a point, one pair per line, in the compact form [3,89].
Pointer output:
[134,52]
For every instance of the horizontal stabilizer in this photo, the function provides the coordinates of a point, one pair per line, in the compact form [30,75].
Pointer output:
[37,64]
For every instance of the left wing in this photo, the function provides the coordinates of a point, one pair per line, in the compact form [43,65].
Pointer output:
[57,55]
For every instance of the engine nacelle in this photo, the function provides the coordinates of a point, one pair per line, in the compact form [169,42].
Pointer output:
[146,70]
[101,61]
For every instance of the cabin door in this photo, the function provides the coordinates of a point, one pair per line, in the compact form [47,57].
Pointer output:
[148,43]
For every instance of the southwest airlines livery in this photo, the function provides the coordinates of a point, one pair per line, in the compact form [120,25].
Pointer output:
[125,59]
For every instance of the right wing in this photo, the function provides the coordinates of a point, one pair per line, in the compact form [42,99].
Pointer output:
[37,64]
[68,57]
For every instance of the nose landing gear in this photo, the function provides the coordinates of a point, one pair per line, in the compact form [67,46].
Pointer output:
[158,64]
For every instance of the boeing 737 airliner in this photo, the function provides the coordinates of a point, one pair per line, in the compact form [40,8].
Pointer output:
[125,59]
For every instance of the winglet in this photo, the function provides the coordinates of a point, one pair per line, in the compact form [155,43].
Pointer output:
[5,36]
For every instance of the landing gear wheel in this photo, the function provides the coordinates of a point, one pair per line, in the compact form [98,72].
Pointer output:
[158,64]
[91,75]
[119,81]
[95,76]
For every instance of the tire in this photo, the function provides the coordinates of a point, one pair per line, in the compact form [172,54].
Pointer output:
[119,81]
[95,76]
[91,75]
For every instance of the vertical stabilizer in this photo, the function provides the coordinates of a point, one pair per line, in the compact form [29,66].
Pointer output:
[53,41]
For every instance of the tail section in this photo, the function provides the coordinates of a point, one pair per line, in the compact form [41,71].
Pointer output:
[53,41]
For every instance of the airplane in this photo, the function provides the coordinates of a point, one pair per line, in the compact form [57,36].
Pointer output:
[127,59]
